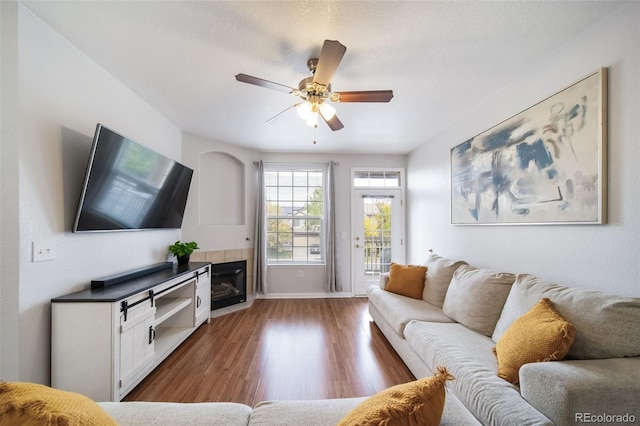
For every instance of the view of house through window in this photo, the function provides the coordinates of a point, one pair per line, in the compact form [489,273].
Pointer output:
[294,216]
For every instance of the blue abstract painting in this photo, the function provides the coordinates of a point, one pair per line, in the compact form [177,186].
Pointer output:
[545,165]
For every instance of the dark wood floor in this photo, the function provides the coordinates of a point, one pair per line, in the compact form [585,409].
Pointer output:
[279,349]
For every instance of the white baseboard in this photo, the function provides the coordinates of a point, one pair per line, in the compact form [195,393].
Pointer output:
[251,297]
[304,295]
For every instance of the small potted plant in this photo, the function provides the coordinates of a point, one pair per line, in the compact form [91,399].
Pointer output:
[183,250]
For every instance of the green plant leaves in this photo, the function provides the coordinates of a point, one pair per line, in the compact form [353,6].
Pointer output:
[183,249]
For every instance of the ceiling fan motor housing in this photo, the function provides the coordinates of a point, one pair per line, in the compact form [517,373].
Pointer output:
[308,88]
[312,64]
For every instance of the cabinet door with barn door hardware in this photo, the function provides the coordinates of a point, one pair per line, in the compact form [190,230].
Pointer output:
[203,297]
[137,337]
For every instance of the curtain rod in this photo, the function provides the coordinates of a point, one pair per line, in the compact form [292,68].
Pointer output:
[255,163]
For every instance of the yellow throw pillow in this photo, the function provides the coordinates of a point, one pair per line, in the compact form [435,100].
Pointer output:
[415,403]
[407,280]
[539,335]
[33,404]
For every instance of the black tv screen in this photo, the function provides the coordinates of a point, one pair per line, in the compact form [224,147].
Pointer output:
[130,187]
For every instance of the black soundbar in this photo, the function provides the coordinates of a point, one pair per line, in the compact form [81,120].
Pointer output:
[117,279]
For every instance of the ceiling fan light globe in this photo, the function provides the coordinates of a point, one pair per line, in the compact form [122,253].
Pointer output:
[312,121]
[327,111]
[304,110]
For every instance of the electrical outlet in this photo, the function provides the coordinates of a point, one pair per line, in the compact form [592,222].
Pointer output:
[300,274]
[43,250]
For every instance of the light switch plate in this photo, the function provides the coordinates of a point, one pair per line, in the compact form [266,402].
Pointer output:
[43,250]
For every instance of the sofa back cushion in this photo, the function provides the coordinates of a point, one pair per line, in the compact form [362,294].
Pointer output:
[606,325]
[439,274]
[476,296]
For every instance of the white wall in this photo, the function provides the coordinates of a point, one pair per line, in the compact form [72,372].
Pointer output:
[62,95]
[602,257]
[283,281]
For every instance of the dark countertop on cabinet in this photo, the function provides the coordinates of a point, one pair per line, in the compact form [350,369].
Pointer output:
[130,287]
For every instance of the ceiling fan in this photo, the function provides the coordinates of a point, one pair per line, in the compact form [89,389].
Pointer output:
[315,91]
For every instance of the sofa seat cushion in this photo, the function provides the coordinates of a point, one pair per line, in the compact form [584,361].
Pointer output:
[607,325]
[468,357]
[399,310]
[145,413]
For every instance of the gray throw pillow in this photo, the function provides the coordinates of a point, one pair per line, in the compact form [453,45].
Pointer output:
[476,296]
[439,273]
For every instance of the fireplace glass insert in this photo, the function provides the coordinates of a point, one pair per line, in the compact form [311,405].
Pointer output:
[228,284]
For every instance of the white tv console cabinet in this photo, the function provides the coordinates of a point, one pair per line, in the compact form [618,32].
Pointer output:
[105,340]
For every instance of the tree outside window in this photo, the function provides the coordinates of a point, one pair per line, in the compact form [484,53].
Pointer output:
[295,216]
[377,234]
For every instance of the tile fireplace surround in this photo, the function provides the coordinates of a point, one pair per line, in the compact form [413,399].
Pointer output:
[233,255]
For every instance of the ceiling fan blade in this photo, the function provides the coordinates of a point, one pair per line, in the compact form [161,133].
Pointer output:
[334,123]
[367,96]
[244,78]
[330,57]
[281,112]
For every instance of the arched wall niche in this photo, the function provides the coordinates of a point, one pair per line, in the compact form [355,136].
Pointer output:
[221,189]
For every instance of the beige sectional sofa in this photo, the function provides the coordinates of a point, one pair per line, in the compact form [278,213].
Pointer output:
[465,310]
[36,404]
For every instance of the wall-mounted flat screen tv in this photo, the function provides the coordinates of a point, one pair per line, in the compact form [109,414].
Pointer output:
[130,187]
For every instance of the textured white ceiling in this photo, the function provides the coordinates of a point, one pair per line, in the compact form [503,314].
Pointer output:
[437,57]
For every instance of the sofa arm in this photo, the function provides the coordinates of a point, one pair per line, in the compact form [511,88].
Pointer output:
[384,279]
[598,391]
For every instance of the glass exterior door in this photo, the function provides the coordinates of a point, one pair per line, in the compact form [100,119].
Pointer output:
[378,235]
